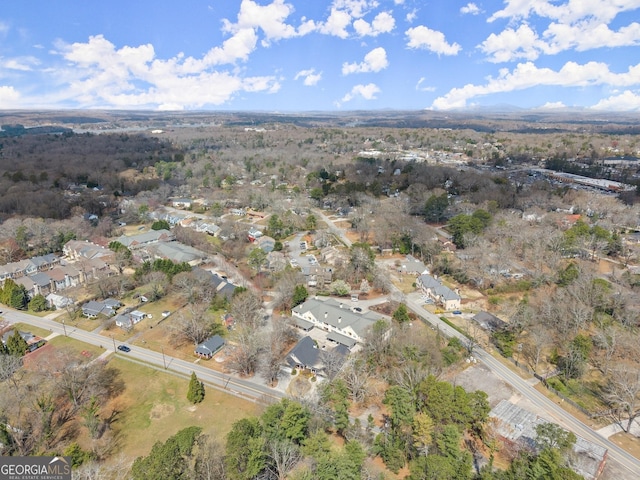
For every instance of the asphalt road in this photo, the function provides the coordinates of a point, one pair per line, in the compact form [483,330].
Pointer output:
[242,388]
[553,412]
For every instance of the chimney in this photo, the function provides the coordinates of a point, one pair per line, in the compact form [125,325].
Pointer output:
[340,305]
[339,319]
[326,314]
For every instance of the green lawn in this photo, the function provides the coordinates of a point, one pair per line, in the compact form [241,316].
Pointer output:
[154,406]
[40,332]
[91,351]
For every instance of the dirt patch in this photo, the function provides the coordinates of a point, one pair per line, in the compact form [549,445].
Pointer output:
[161,410]
[299,387]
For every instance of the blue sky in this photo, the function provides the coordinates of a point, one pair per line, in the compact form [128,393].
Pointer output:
[302,55]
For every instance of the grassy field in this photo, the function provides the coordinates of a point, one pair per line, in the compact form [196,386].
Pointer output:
[81,348]
[40,332]
[154,406]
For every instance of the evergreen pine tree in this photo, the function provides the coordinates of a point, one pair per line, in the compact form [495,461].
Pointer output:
[195,394]
[16,345]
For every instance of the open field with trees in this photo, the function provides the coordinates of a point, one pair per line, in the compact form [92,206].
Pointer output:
[356,207]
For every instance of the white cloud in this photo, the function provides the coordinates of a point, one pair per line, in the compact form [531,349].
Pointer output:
[374,61]
[422,88]
[382,23]
[627,101]
[4,28]
[512,44]
[368,92]
[470,9]
[588,35]
[269,18]
[553,106]
[425,38]
[9,97]
[355,8]
[24,64]
[524,43]
[411,16]
[99,75]
[527,75]
[567,12]
[336,24]
[310,77]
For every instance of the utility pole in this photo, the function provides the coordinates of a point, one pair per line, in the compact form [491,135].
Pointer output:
[163,359]
[114,343]
[64,327]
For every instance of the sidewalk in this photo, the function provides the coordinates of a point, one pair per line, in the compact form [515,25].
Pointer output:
[614,428]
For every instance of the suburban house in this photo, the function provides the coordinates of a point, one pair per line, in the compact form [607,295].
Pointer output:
[306,355]
[208,228]
[490,322]
[42,283]
[517,426]
[140,240]
[345,327]
[209,347]
[276,261]
[176,252]
[77,249]
[439,293]
[317,276]
[128,320]
[182,203]
[45,262]
[413,266]
[16,270]
[253,234]
[266,243]
[33,342]
[58,301]
[92,309]
[221,284]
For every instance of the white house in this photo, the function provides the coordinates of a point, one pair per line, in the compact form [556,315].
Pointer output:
[344,326]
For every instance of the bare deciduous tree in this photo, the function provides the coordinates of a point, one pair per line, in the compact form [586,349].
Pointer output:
[623,395]
[245,355]
[356,377]
[209,459]
[285,455]
[246,310]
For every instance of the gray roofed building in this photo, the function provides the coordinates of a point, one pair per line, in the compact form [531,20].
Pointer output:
[440,293]
[45,262]
[333,316]
[489,322]
[210,346]
[176,252]
[413,266]
[128,320]
[306,355]
[518,426]
[92,309]
[146,238]
[266,243]
[341,340]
